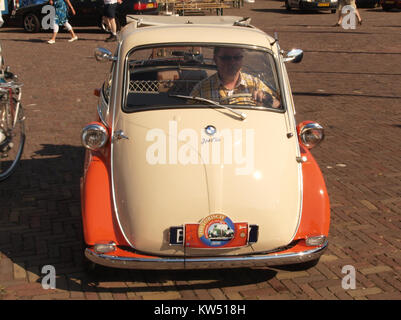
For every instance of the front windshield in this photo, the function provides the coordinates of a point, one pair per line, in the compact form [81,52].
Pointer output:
[187,76]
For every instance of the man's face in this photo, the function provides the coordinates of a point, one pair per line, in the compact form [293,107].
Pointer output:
[228,62]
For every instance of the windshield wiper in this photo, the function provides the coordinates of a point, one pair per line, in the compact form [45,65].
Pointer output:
[240,115]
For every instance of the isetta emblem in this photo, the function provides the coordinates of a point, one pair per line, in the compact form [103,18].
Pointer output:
[216,230]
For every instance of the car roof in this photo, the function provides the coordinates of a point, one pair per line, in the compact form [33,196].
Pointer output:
[183,29]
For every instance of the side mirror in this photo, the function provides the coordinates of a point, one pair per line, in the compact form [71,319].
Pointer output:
[104,55]
[294,56]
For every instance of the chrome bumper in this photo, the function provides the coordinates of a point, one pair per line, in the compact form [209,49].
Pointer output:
[224,262]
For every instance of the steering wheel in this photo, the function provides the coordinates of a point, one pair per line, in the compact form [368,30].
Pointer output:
[248,98]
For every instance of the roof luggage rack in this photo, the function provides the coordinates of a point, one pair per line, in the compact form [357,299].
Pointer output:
[152,20]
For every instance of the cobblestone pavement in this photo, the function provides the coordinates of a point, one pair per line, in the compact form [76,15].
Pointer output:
[349,81]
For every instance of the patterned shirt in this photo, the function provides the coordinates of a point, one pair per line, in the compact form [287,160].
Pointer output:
[212,88]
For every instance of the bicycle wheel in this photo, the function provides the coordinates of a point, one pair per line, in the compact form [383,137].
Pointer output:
[12,140]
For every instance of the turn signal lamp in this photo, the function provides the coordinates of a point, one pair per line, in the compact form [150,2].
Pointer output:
[315,241]
[104,247]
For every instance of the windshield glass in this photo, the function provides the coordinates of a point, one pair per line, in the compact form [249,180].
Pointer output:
[177,76]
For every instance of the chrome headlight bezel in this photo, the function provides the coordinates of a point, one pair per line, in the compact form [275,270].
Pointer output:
[311,134]
[94,129]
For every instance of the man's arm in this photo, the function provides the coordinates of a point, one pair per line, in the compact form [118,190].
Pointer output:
[262,94]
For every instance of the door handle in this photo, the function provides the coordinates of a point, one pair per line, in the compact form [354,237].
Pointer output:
[119,134]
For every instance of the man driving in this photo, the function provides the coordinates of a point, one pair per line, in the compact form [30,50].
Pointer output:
[232,86]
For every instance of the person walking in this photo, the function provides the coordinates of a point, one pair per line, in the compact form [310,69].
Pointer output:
[109,16]
[61,19]
[341,4]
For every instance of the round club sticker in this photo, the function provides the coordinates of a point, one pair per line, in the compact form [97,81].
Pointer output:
[216,230]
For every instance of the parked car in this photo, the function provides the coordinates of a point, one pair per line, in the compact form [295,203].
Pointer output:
[180,174]
[88,13]
[388,5]
[331,5]
[366,3]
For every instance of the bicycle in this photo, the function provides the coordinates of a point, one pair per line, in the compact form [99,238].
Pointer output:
[12,129]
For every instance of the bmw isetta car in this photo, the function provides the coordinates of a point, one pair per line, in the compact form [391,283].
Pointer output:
[196,160]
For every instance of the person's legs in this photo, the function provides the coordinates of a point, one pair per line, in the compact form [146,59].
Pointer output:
[110,13]
[340,15]
[113,26]
[358,15]
[71,31]
[107,22]
[55,31]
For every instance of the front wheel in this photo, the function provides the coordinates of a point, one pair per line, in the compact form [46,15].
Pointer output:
[287,5]
[12,140]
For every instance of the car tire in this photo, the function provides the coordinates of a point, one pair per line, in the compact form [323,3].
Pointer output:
[287,5]
[89,266]
[333,11]
[31,23]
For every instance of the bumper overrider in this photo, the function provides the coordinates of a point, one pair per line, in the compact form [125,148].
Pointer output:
[221,262]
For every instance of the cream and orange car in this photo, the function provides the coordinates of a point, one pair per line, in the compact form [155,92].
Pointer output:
[184,170]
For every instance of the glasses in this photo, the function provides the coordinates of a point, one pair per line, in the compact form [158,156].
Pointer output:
[229,58]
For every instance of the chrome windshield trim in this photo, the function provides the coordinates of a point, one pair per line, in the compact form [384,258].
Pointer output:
[127,109]
[222,262]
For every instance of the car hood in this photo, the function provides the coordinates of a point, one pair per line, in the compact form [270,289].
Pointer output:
[171,172]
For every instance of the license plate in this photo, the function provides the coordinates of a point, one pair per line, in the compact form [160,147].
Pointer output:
[194,239]
[323,4]
[149,5]
[176,236]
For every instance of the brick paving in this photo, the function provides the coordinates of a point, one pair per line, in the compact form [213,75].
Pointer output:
[348,82]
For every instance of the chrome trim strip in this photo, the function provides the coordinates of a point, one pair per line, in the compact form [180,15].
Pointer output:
[223,262]
[116,78]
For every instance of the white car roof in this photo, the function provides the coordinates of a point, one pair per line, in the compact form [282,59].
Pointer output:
[146,30]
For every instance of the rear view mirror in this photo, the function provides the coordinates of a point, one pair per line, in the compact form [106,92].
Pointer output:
[103,55]
[294,56]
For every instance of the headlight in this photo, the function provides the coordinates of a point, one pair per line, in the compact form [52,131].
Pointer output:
[310,133]
[94,136]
